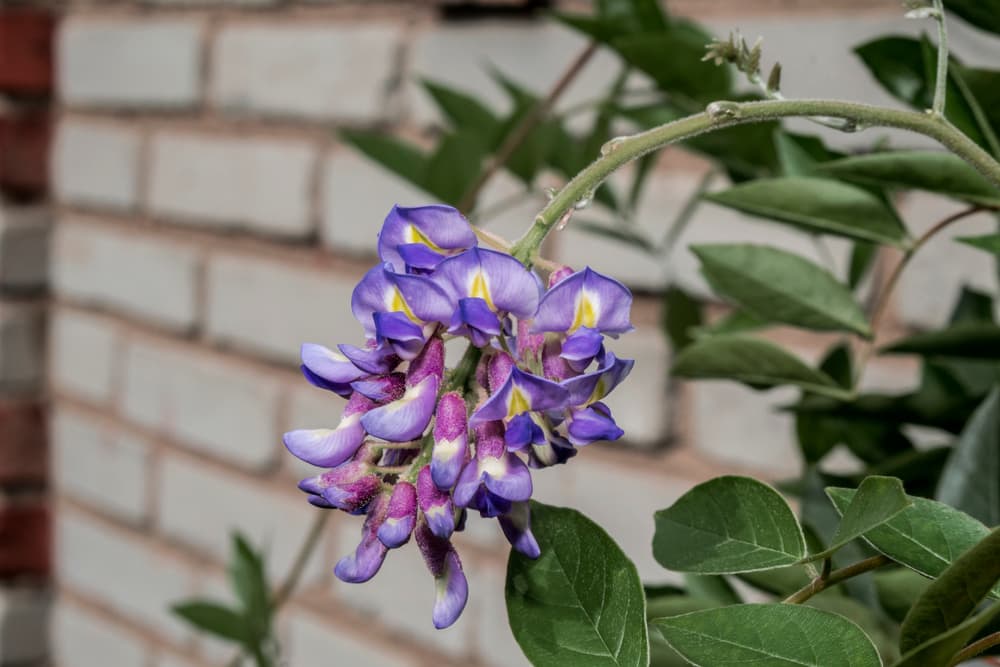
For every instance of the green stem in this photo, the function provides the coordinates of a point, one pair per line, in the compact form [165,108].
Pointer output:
[941,81]
[721,115]
[975,648]
[833,578]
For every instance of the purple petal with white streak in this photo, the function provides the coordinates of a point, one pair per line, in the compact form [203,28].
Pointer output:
[497,278]
[401,516]
[442,226]
[522,392]
[329,365]
[404,419]
[585,299]
[516,526]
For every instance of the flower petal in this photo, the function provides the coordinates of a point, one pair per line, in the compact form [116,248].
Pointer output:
[401,516]
[451,586]
[591,424]
[522,392]
[329,365]
[366,560]
[507,477]
[501,281]
[451,440]
[438,228]
[590,387]
[516,526]
[585,299]
[373,359]
[435,505]
[404,419]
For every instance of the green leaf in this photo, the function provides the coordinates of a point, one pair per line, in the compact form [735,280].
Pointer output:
[769,635]
[971,479]
[780,286]
[954,595]
[964,340]
[681,314]
[781,582]
[877,500]
[752,361]
[798,155]
[580,603]
[939,651]
[984,14]
[988,242]
[396,155]
[247,574]
[925,537]
[215,619]
[818,205]
[738,321]
[933,171]
[710,586]
[462,110]
[863,255]
[898,588]
[725,525]
[455,165]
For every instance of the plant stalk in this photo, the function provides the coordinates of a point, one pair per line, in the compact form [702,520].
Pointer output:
[941,80]
[975,648]
[821,583]
[721,115]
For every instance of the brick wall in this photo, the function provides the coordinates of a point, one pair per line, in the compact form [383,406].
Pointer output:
[208,223]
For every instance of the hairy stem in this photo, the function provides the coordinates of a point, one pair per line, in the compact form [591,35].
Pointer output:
[975,648]
[517,136]
[833,578]
[721,115]
[941,81]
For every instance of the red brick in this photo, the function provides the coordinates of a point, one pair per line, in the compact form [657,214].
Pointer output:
[26,50]
[24,150]
[25,540]
[23,446]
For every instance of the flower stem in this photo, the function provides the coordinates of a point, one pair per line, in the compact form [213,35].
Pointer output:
[828,579]
[975,648]
[721,115]
[287,586]
[941,81]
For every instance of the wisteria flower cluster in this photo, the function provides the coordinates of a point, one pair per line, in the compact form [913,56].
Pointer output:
[420,446]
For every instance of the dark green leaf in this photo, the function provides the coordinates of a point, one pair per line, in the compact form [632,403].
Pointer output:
[954,595]
[681,314]
[675,605]
[933,171]
[712,587]
[751,361]
[818,205]
[580,603]
[215,619]
[780,286]
[898,589]
[728,524]
[799,154]
[464,111]
[455,165]
[781,582]
[769,635]
[396,155]
[983,14]
[246,572]
[736,322]
[939,651]
[863,255]
[865,617]
[971,479]
[877,500]
[926,537]
[965,340]
[988,242]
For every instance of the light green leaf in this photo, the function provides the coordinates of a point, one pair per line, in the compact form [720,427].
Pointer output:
[396,155]
[725,525]
[580,604]
[962,340]
[927,536]
[939,651]
[780,286]
[877,500]
[768,635]
[736,322]
[988,242]
[933,171]
[462,110]
[954,595]
[248,578]
[455,165]
[971,479]
[215,619]
[752,361]
[817,205]
[711,587]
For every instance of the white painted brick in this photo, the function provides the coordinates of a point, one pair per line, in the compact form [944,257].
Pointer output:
[740,426]
[301,305]
[494,639]
[314,71]
[401,595]
[24,246]
[641,405]
[24,618]
[22,346]
[146,277]
[83,639]
[201,506]
[258,184]
[217,407]
[133,63]
[312,641]
[127,574]
[83,355]
[173,660]
[100,467]
[930,285]
[96,164]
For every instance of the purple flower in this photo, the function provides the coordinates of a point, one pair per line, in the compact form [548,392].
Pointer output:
[451,440]
[328,369]
[366,560]
[435,505]
[328,448]
[522,392]
[495,478]
[590,387]
[516,526]
[585,299]
[401,516]
[423,236]
[592,423]
[451,587]
[350,486]
[373,358]
[405,418]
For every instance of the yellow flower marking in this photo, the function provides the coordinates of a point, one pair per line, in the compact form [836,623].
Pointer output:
[395,303]
[586,312]
[479,288]
[414,235]
[517,402]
